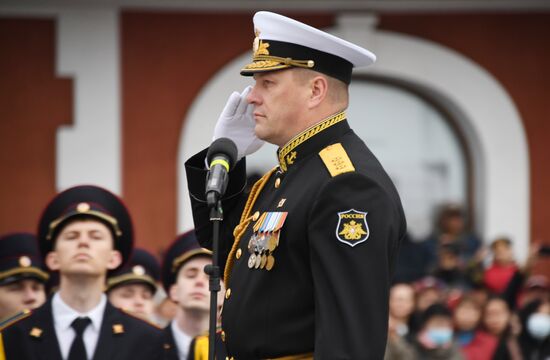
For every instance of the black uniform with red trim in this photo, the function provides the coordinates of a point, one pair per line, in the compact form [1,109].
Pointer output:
[309,253]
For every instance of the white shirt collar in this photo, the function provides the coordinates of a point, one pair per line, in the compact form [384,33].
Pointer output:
[182,340]
[65,315]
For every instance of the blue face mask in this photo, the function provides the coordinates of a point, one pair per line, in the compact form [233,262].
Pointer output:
[440,336]
[538,325]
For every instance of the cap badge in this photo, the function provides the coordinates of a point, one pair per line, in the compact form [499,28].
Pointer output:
[138,270]
[25,261]
[352,228]
[83,207]
[256,42]
[258,46]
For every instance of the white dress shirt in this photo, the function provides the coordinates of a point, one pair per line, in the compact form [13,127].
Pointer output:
[64,315]
[183,341]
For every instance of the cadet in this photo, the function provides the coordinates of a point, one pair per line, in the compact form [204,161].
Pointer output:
[83,233]
[309,254]
[22,275]
[186,337]
[133,287]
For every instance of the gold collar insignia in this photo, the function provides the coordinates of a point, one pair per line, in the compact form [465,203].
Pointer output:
[288,153]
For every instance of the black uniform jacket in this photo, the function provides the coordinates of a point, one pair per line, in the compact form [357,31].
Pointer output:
[198,349]
[327,288]
[32,337]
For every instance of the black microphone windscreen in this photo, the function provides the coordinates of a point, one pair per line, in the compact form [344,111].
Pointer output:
[223,146]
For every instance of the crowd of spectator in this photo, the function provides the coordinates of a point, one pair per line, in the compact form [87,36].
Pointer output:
[453,298]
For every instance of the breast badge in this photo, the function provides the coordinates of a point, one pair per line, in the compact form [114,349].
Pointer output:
[265,240]
[352,228]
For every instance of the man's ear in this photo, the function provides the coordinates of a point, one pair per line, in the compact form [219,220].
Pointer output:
[173,292]
[115,260]
[52,261]
[319,90]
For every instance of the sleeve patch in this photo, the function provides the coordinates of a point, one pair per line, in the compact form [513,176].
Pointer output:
[336,159]
[352,228]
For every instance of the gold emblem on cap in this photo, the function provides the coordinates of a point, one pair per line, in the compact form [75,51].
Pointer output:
[138,270]
[256,42]
[118,329]
[25,261]
[36,332]
[83,207]
[258,46]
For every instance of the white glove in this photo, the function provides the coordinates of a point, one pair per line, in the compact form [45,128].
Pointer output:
[236,122]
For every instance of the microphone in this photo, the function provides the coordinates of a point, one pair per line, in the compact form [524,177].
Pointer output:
[221,157]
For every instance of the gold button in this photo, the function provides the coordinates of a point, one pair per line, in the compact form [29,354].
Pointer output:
[277,183]
[227,293]
[223,336]
[256,216]
[239,253]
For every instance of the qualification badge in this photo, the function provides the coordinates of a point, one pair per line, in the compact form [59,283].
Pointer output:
[352,228]
[265,240]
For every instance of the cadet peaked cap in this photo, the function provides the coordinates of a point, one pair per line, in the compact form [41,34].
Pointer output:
[184,248]
[20,259]
[86,202]
[141,268]
[282,43]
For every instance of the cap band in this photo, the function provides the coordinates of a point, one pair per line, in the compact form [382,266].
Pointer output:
[24,270]
[271,55]
[187,255]
[93,213]
[119,280]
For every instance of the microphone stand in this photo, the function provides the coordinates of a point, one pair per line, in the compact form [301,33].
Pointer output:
[216,216]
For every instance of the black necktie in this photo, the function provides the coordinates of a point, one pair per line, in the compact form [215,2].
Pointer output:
[78,350]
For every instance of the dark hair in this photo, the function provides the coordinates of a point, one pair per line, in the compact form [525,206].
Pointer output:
[434,310]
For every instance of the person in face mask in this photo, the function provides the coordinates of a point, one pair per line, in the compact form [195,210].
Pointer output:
[435,337]
[535,337]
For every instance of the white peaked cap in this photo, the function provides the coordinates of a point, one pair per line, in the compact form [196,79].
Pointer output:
[282,42]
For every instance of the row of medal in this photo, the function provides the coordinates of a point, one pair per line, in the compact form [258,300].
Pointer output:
[265,240]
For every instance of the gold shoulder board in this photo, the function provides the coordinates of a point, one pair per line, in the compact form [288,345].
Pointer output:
[336,159]
[15,318]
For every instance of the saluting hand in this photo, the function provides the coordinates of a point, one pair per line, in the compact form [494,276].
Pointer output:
[236,122]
